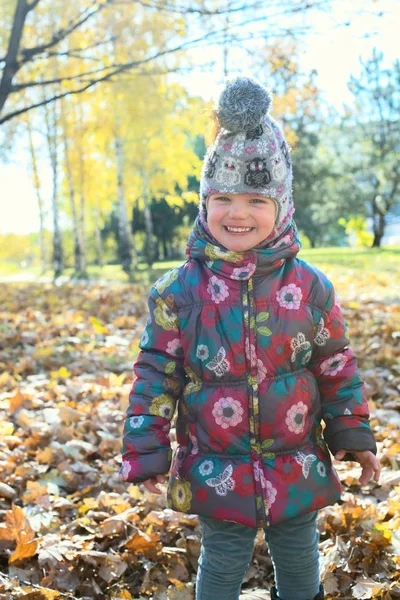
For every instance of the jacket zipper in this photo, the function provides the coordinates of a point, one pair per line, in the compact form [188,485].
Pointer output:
[256,413]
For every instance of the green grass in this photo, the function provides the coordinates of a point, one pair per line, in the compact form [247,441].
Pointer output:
[373,259]
[335,262]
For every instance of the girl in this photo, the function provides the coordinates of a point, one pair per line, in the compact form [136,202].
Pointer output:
[251,341]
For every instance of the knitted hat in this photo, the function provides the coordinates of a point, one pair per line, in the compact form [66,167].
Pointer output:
[249,154]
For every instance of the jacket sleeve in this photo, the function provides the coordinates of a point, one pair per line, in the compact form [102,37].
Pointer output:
[343,399]
[160,378]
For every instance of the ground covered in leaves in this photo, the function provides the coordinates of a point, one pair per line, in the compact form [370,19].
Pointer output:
[70,529]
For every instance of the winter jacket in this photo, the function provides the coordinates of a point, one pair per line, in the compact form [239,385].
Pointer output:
[254,347]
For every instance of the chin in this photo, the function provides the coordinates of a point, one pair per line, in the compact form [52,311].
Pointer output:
[238,247]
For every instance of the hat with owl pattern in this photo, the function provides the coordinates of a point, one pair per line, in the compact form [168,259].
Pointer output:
[249,154]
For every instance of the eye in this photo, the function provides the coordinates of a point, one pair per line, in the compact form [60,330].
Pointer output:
[221,198]
[258,200]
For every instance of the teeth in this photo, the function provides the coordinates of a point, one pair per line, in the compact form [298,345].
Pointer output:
[239,229]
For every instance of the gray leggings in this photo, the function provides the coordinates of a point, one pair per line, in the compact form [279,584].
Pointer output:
[227,549]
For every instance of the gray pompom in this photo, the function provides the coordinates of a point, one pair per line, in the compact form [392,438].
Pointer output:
[243,104]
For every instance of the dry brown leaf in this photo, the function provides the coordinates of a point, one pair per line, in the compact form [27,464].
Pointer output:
[141,542]
[17,529]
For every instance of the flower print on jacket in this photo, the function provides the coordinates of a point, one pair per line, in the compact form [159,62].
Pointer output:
[227,412]
[174,347]
[219,364]
[298,344]
[251,353]
[126,469]
[144,340]
[163,406]
[218,289]
[266,485]
[261,371]
[243,273]
[206,467]
[289,296]
[334,364]
[136,421]
[223,483]
[295,417]
[164,316]
[166,280]
[271,494]
[202,352]
[322,334]
[182,495]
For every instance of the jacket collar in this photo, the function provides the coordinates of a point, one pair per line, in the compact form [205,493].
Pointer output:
[259,261]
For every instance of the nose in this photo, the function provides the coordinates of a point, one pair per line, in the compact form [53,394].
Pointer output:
[238,211]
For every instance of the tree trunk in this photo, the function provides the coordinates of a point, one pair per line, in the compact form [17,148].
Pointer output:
[165,247]
[99,244]
[77,244]
[51,135]
[379,229]
[378,220]
[125,237]
[82,223]
[148,222]
[11,63]
[36,182]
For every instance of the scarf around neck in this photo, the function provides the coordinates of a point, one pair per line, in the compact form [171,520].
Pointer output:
[256,262]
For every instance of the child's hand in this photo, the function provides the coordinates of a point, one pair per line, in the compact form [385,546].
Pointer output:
[369,462]
[150,484]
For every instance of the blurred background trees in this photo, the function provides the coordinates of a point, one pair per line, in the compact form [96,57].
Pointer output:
[98,90]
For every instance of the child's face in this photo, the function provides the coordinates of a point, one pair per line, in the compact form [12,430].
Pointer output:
[240,221]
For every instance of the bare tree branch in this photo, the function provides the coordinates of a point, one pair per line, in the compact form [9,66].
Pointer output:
[61,34]
[81,76]
[186,10]
[91,77]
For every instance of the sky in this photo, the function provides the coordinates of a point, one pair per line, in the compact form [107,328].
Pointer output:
[332,50]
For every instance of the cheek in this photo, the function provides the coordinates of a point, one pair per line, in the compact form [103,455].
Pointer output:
[215,214]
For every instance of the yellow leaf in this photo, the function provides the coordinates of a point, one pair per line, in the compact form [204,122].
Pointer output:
[383,527]
[178,584]
[141,542]
[16,401]
[62,373]
[43,352]
[45,456]
[89,504]
[116,380]
[3,378]
[43,594]
[24,551]
[97,325]
[6,429]
[34,490]
[353,304]
[122,595]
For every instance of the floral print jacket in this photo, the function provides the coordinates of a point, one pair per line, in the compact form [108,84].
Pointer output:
[253,350]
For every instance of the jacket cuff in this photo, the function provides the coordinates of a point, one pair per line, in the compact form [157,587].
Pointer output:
[137,470]
[358,439]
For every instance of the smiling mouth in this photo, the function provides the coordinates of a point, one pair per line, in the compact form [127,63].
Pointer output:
[238,229]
